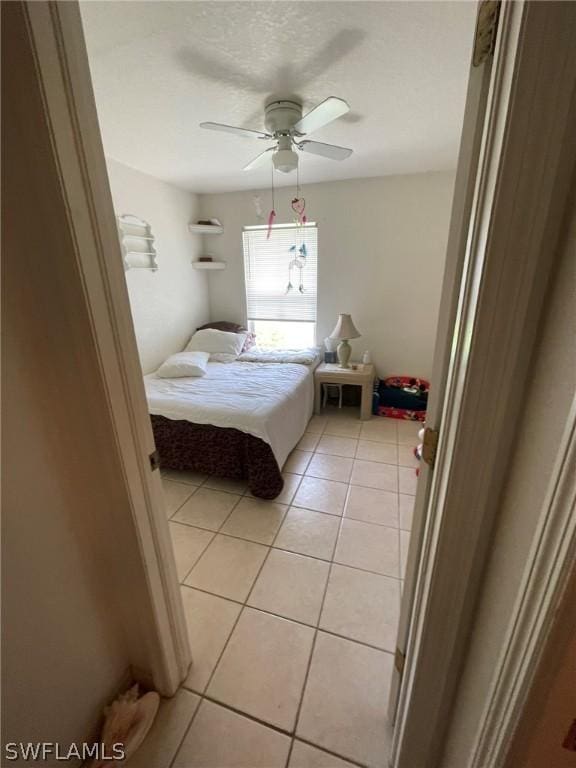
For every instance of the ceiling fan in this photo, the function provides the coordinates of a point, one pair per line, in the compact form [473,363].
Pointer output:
[286,126]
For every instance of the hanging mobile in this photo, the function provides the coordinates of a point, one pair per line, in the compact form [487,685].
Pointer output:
[299,206]
[299,261]
[298,202]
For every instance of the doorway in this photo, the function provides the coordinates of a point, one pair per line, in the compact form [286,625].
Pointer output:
[348,485]
[210,704]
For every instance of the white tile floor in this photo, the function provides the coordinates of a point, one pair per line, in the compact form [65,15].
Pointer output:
[292,605]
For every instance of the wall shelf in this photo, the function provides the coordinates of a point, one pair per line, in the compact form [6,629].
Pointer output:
[137,243]
[209,264]
[205,229]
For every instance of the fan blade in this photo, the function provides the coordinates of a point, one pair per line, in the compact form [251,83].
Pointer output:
[330,109]
[326,150]
[246,132]
[258,160]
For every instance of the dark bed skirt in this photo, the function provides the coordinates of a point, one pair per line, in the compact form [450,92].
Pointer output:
[218,451]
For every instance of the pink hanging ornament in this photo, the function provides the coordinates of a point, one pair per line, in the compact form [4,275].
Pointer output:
[298,206]
[271,217]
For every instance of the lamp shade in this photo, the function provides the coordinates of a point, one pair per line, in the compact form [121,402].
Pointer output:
[345,329]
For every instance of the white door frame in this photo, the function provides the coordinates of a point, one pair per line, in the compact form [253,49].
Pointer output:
[462,207]
[526,160]
[56,35]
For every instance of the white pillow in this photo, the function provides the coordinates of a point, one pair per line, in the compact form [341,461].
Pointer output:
[221,345]
[184,364]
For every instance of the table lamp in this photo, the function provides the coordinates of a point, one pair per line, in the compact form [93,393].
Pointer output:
[343,331]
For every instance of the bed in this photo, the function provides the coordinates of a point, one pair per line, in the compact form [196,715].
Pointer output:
[240,421]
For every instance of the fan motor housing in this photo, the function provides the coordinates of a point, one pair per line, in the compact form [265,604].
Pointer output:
[281,116]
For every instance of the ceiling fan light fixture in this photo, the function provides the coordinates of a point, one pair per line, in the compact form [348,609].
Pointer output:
[285,160]
[286,126]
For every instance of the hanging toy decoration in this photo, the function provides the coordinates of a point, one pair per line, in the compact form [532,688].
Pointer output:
[300,253]
[299,262]
[290,287]
[298,202]
[302,263]
[271,217]
[299,206]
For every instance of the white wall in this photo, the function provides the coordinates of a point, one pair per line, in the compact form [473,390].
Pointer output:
[169,304]
[381,245]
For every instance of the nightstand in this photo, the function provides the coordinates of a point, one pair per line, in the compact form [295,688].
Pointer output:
[361,376]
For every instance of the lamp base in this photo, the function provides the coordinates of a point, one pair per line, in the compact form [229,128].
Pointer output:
[344,351]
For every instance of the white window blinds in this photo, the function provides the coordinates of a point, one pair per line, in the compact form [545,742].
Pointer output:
[281,272]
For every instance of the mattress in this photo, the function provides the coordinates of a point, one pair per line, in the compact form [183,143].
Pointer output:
[271,401]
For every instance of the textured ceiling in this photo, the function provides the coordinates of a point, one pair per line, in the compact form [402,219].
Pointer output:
[160,68]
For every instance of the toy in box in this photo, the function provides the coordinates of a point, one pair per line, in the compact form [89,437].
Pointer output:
[403,397]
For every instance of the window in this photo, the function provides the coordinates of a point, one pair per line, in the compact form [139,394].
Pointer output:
[281,279]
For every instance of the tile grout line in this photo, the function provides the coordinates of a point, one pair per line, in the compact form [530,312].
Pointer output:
[219,529]
[243,604]
[204,696]
[291,505]
[298,713]
[247,715]
[224,598]
[271,726]
[288,618]
[194,564]
[288,507]
[207,685]
[330,752]
[342,517]
[196,487]
[249,595]
[211,540]
[317,629]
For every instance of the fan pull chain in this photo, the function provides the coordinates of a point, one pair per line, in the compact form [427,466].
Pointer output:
[272,214]
[298,179]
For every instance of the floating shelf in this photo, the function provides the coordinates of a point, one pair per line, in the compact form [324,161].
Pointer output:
[209,264]
[205,229]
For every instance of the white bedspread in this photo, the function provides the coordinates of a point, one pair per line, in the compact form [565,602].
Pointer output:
[272,402]
[303,356]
